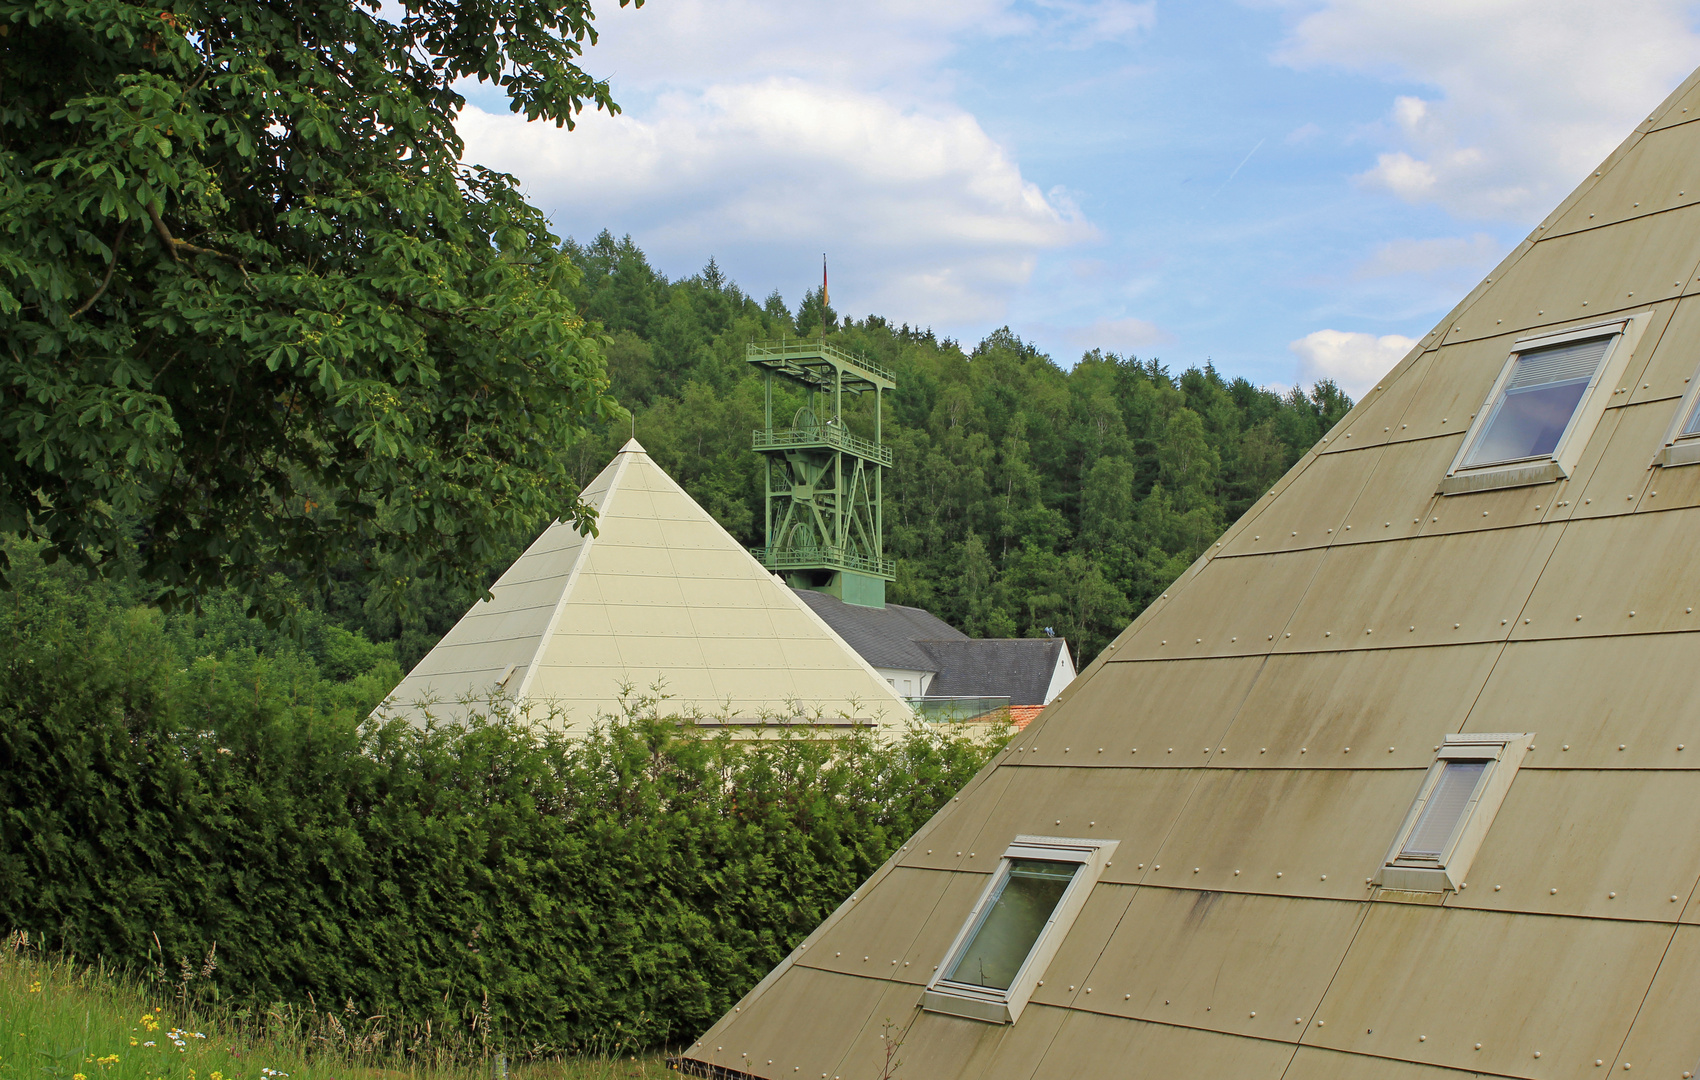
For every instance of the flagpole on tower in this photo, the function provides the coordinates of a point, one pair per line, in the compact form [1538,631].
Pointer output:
[825,298]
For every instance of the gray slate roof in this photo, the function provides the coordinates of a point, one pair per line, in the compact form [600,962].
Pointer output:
[1017,668]
[886,637]
[912,639]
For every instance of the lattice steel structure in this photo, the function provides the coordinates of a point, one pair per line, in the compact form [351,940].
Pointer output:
[825,526]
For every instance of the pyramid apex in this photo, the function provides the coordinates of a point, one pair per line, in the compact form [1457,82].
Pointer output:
[632,446]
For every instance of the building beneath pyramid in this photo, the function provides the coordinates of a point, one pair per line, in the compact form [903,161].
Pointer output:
[1400,780]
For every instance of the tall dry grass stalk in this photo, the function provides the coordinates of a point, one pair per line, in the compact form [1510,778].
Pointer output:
[65,1019]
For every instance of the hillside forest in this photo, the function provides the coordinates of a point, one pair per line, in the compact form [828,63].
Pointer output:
[1025,495]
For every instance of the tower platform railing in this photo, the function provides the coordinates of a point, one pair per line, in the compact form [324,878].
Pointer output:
[825,558]
[822,436]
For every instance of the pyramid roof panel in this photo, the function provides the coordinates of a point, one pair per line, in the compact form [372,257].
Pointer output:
[1427,984]
[1615,844]
[1275,772]
[1238,964]
[1089,729]
[661,596]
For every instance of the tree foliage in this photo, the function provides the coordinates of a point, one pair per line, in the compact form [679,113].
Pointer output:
[253,310]
[168,783]
[1025,496]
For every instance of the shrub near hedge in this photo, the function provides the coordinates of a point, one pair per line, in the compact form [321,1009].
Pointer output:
[644,877]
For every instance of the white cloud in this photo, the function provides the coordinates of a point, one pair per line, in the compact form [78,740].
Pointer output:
[1444,256]
[787,167]
[1530,94]
[1353,360]
[764,132]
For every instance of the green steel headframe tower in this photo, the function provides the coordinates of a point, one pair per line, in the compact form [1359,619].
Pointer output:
[825,521]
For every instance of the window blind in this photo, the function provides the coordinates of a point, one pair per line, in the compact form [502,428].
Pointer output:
[1445,807]
[1558,363]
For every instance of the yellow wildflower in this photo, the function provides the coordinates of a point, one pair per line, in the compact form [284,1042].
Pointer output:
[35,987]
[78,1076]
[108,1061]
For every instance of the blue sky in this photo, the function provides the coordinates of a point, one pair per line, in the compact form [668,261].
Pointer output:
[1292,189]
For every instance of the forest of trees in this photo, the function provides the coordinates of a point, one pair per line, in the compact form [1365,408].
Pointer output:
[1025,495]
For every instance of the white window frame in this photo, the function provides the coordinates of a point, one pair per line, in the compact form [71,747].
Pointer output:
[1625,332]
[1004,1006]
[1503,753]
[1680,449]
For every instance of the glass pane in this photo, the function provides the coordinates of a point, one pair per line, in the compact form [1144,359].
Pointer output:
[1527,423]
[1693,425]
[1010,927]
[1445,808]
[1537,403]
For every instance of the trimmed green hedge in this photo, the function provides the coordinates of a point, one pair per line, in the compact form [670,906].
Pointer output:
[643,877]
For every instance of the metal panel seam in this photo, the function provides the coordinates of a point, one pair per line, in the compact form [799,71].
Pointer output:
[567,589]
[1650,981]
[1365,906]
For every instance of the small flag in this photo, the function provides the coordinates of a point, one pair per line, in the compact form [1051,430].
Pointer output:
[825,297]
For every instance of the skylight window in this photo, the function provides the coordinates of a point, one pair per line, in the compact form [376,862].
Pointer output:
[1542,408]
[1682,441]
[1025,910]
[1454,807]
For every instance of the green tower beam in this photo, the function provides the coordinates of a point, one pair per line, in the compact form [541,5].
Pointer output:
[825,486]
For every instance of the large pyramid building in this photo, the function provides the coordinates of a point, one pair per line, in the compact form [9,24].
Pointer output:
[661,602]
[1401,779]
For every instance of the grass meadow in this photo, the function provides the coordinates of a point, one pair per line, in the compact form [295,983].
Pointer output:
[65,1020]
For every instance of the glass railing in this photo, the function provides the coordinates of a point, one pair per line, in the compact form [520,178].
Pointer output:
[956,710]
[825,435]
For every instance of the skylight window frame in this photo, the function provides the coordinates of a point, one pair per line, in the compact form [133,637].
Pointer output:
[943,995]
[1503,754]
[1624,332]
[1680,449]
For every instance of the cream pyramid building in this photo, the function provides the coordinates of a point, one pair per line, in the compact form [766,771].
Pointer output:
[1401,779]
[662,597]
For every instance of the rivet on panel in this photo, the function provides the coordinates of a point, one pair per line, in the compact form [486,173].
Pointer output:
[1389,749]
[1265,749]
[1566,746]
[1679,746]
[1620,746]
[1554,892]
[1673,899]
[1496,888]
[1254,1015]
[1537,1053]
[1478,1046]
[1324,877]
[1304,749]
[1236,873]
[1611,896]
[1277,873]
[1455,626]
